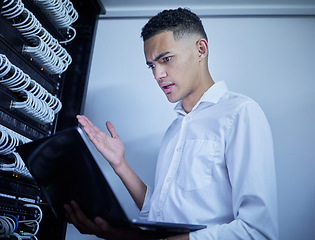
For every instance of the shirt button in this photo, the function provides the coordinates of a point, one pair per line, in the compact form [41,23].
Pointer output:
[159,213]
[179,149]
[168,179]
[187,118]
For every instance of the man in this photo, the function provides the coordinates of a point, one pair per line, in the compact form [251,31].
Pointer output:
[216,163]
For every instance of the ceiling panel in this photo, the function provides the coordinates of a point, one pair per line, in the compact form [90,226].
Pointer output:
[144,8]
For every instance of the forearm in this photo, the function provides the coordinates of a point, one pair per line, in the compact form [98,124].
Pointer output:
[112,149]
[136,188]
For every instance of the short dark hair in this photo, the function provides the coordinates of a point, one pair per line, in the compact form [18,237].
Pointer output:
[180,21]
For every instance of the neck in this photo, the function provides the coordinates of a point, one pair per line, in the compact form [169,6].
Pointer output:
[191,101]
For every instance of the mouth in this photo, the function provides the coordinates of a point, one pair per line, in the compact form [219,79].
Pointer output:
[167,88]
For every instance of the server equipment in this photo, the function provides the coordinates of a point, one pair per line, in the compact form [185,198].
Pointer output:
[45,55]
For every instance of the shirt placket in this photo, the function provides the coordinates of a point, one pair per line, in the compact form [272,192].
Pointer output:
[170,176]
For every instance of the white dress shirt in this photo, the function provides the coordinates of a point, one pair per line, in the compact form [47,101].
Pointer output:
[216,167]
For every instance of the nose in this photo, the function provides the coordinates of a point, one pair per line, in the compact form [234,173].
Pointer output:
[159,73]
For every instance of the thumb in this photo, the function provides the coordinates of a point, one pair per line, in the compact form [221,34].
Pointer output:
[111,129]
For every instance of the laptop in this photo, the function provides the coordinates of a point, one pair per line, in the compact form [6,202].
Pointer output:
[65,169]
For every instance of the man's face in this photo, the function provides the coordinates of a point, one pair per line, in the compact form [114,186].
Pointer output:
[175,65]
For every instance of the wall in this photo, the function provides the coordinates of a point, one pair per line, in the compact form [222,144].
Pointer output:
[271,59]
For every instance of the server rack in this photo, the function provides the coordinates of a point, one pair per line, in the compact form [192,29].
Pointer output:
[40,93]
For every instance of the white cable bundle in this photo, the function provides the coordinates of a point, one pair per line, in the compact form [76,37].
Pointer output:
[34,108]
[17,81]
[47,50]
[41,104]
[21,138]
[41,93]
[9,140]
[45,55]
[32,223]
[14,11]
[56,47]
[9,225]
[61,12]
[17,167]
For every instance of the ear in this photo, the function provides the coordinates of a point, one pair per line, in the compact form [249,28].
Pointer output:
[202,46]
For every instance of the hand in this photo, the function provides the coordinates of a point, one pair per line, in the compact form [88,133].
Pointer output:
[111,147]
[179,237]
[100,227]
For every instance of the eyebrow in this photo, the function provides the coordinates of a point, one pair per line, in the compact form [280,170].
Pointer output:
[158,57]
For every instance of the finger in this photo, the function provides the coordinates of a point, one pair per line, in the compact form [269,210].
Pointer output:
[77,210]
[69,212]
[81,221]
[102,224]
[93,132]
[86,123]
[82,119]
[111,129]
[107,231]
[110,232]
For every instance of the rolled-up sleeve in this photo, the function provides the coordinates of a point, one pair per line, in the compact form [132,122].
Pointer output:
[144,212]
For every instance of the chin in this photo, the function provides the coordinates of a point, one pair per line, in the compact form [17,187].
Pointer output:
[172,100]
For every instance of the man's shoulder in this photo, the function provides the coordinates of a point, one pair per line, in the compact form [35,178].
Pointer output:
[236,98]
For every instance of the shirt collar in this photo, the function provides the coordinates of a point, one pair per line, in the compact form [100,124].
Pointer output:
[212,96]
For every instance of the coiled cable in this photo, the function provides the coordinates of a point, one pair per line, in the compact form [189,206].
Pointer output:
[46,50]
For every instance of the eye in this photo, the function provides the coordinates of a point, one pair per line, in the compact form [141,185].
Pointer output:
[167,59]
[151,66]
